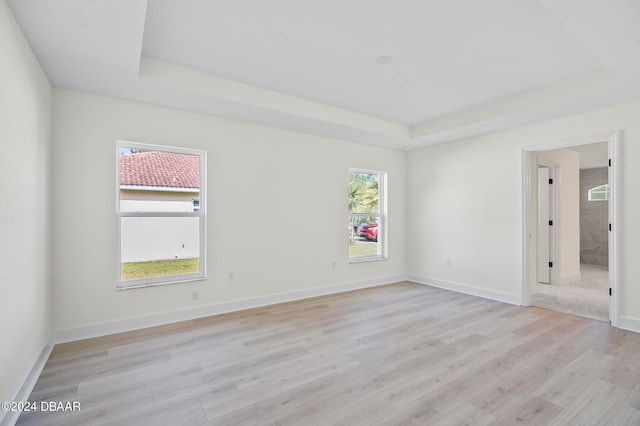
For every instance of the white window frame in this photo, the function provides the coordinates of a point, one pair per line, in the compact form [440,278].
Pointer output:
[201,213]
[381,214]
[600,189]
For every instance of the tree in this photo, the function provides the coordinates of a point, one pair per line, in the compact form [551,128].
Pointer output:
[363,193]
[363,198]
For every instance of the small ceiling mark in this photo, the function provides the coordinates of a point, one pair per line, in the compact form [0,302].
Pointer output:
[384,60]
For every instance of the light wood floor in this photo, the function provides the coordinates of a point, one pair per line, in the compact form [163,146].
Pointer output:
[587,297]
[392,355]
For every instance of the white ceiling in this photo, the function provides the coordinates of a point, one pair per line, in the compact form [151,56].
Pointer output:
[460,68]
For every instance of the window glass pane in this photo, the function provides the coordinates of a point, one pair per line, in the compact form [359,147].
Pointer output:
[599,193]
[363,192]
[158,181]
[365,215]
[159,246]
[160,195]
[363,236]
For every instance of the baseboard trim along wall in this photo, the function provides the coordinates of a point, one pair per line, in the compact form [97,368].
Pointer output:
[136,323]
[468,289]
[11,417]
[629,323]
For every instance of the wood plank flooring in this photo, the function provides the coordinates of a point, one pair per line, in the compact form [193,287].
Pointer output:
[399,354]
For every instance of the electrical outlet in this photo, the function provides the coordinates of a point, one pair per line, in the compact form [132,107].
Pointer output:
[195,295]
[231,276]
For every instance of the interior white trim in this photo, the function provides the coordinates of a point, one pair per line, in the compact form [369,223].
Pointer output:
[614,172]
[135,323]
[629,323]
[612,138]
[554,173]
[499,296]
[11,417]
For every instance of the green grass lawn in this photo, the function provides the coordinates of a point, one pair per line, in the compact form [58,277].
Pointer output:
[159,268]
[363,249]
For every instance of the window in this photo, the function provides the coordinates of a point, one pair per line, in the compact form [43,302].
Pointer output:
[599,193]
[367,215]
[160,199]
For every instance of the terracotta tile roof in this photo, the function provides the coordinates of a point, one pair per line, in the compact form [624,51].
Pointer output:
[155,168]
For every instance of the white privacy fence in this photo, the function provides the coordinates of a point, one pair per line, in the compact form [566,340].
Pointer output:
[159,238]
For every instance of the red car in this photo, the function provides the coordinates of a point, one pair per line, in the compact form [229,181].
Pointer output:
[370,231]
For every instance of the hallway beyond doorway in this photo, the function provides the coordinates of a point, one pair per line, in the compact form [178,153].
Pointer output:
[588,297]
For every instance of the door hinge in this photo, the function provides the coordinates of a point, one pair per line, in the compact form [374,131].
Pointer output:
[609,162]
[550,264]
[609,227]
[609,291]
[550,181]
[550,223]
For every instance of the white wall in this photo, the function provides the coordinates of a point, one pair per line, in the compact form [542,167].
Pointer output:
[277,208]
[25,138]
[568,185]
[464,205]
[465,202]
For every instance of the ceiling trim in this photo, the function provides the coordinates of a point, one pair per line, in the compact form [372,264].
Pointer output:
[200,83]
[581,87]
[96,46]
[211,86]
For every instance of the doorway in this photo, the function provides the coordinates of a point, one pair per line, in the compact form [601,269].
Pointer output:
[566,265]
[547,223]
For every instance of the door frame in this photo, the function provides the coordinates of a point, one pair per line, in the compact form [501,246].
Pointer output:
[554,208]
[613,140]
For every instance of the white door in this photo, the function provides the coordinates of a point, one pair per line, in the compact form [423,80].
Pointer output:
[544,230]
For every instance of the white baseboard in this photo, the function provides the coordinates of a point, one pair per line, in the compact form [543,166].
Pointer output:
[629,323]
[9,418]
[135,323]
[468,289]
[568,279]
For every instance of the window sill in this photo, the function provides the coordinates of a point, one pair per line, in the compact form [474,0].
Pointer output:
[177,280]
[364,259]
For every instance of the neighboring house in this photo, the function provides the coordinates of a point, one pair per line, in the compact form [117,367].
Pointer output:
[159,181]
[154,181]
